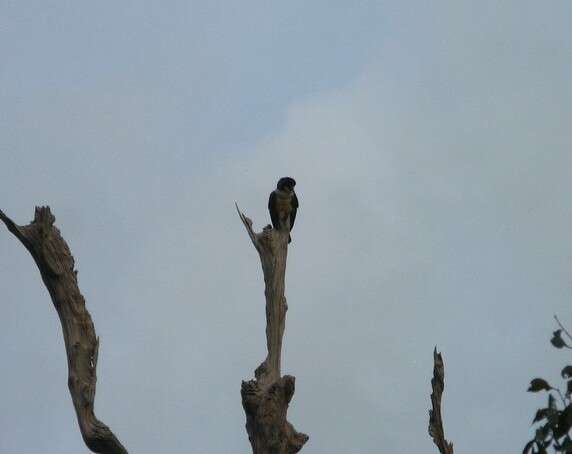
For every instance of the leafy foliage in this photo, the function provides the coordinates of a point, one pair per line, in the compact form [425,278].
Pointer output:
[555,420]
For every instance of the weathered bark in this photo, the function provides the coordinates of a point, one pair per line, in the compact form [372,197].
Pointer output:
[56,264]
[436,430]
[265,399]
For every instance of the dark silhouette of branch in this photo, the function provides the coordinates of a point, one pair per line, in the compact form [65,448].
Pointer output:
[56,264]
[435,418]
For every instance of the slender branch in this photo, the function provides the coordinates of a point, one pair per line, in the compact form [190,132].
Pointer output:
[435,419]
[56,264]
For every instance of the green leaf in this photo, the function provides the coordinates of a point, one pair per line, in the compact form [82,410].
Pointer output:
[566,445]
[566,417]
[557,340]
[567,372]
[528,448]
[540,415]
[552,418]
[564,423]
[539,436]
[539,384]
[543,435]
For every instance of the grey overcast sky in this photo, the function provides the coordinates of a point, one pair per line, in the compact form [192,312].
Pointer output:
[432,147]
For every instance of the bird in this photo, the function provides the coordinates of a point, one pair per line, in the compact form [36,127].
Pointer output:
[283,205]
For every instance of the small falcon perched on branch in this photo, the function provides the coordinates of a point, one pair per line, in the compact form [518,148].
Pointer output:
[283,205]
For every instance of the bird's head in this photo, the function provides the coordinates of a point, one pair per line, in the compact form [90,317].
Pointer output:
[286,184]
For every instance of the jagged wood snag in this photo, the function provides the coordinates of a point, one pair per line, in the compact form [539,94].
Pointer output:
[436,430]
[265,399]
[53,257]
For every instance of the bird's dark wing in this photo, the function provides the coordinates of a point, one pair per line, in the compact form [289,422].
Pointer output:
[294,210]
[272,210]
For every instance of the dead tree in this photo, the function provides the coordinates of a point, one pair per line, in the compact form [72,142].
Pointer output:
[436,430]
[265,399]
[56,264]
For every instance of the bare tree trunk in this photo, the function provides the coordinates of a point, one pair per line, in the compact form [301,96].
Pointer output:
[436,430]
[56,264]
[265,399]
